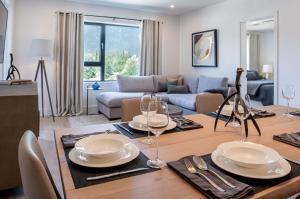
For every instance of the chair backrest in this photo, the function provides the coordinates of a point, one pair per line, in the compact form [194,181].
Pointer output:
[36,178]
[130,108]
[208,102]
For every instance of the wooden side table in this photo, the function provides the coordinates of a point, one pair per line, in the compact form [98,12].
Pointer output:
[88,88]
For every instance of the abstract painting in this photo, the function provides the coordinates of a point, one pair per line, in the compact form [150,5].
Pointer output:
[205,49]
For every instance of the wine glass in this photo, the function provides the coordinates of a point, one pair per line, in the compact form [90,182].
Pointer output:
[158,123]
[288,93]
[241,112]
[145,110]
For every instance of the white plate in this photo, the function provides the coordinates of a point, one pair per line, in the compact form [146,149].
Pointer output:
[140,127]
[248,154]
[102,145]
[129,153]
[271,171]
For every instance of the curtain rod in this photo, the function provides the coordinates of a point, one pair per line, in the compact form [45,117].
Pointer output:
[106,17]
[130,19]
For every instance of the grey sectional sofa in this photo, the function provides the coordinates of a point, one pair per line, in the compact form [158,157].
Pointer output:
[109,103]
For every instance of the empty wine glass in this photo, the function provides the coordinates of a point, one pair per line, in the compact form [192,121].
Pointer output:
[158,123]
[241,112]
[145,110]
[288,93]
[234,123]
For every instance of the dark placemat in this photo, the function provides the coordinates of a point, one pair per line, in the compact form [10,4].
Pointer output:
[225,118]
[257,184]
[136,133]
[288,139]
[80,173]
[295,113]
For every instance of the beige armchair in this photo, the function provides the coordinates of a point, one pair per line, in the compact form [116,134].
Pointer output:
[130,108]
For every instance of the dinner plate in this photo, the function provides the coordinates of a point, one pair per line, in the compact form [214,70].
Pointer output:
[278,169]
[102,145]
[141,127]
[128,154]
[248,154]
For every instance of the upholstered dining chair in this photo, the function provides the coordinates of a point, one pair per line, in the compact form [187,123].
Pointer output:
[130,108]
[36,178]
[208,102]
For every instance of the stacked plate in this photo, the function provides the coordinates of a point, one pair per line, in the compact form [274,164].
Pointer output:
[250,160]
[103,150]
[140,123]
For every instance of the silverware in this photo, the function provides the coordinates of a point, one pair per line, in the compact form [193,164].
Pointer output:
[115,174]
[201,164]
[295,136]
[193,170]
[126,129]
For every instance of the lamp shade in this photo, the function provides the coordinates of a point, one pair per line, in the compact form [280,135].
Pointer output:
[41,48]
[267,68]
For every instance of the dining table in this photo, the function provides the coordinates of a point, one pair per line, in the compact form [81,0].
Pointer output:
[165,183]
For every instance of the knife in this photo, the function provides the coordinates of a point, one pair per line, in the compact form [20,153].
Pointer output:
[115,174]
[124,128]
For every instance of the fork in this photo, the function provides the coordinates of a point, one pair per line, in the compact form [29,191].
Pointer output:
[193,170]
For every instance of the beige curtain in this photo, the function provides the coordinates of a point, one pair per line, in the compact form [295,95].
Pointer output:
[151,48]
[253,51]
[69,63]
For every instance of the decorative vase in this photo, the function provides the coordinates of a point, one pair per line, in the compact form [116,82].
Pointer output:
[96,86]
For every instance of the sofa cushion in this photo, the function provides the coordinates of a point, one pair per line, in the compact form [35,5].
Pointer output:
[192,83]
[187,101]
[206,83]
[135,83]
[114,99]
[161,82]
[174,89]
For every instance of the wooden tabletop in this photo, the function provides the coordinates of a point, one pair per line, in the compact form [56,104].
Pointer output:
[165,183]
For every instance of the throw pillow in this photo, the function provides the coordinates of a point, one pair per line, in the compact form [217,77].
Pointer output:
[163,86]
[173,89]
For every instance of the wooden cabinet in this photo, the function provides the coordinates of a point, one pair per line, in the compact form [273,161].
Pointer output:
[18,113]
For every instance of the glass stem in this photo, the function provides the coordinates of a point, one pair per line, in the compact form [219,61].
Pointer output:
[243,129]
[288,107]
[156,140]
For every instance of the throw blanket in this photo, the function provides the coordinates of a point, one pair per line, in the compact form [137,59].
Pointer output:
[254,86]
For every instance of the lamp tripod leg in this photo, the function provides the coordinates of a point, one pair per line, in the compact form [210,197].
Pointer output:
[47,85]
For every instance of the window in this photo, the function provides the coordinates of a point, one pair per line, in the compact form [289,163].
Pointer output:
[110,50]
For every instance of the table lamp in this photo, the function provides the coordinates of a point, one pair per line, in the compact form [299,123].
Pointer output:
[42,48]
[267,69]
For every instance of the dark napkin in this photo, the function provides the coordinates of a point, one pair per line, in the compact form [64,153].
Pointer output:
[125,129]
[242,190]
[80,173]
[291,138]
[185,124]
[70,140]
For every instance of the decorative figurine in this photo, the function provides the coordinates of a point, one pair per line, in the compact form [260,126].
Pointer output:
[238,100]
[12,70]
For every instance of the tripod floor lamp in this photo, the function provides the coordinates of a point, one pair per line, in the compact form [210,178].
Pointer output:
[42,48]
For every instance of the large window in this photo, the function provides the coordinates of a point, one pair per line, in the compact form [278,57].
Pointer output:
[110,50]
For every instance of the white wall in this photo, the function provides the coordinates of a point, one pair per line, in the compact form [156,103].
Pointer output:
[9,37]
[266,49]
[226,17]
[36,19]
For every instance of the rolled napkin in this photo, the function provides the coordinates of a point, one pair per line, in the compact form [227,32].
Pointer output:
[241,191]
[69,141]
[289,138]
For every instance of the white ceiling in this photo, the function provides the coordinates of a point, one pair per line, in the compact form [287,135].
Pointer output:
[161,6]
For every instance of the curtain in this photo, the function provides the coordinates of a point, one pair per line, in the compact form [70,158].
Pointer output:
[69,63]
[151,48]
[253,51]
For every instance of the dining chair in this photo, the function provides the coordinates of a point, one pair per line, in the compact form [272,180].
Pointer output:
[130,108]
[208,102]
[36,178]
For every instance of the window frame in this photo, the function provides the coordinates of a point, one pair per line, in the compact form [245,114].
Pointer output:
[101,63]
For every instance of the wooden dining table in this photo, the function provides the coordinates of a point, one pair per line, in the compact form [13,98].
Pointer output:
[165,183]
